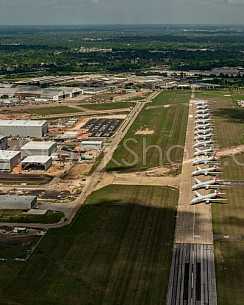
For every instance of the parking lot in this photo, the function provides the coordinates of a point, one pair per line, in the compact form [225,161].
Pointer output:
[102,127]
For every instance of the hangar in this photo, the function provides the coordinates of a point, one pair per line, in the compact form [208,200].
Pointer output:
[14,202]
[9,159]
[23,128]
[39,148]
[36,163]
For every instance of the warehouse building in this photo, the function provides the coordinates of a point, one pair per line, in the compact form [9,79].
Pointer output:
[36,163]
[9,159]
[3,142]
[37,148]
[23,128]
[14,202]
[91,145]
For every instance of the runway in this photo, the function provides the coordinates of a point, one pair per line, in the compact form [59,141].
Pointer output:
[192,277]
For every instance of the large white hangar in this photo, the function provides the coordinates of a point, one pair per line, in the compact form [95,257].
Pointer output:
[9,159]
[36,163]
[13,202]
[23,128]
[39,148]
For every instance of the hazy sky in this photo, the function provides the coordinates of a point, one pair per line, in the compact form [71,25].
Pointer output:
[121,11]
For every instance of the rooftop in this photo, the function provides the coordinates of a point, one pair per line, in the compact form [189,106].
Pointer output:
[21,123]
[8,154]
[38,145]
[37,159]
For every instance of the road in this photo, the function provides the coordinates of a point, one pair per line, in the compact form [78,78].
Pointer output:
[192,276]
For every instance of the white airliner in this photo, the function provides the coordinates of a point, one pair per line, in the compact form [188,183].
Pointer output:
[204,184]
[203,152]
[203,126]
[202,116]
[202,107]
[203,137]
[203,121]
[207,131]
[203,143]
[210,198]
[204,161]
[206,171]
[203,111]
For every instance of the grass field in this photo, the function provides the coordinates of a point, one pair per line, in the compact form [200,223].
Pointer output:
[107,106]
[163,144]
[172,97]
[229,118]
[52,110]
[228,222]
[117,251]
[228,218]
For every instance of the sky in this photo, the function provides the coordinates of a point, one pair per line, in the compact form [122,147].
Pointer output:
[78,12]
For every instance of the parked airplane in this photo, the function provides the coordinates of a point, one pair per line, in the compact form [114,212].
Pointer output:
[207,131]
[203,152]
[203,111]
[202,107]
[206,171]
[208,160]
[202,116]
[203,121]
[203,143]
[204,184]
[203,126]
[200,138]
[210,198]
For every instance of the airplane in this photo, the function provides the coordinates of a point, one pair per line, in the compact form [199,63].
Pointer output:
[203,143]
[202,116]
[203,152]
[200,138]
[210,198]
[204,161]
[204,184]
[203,126]
[203,121]
[202,107]
[203,111]
[200,102]
[206,171]
[204,131]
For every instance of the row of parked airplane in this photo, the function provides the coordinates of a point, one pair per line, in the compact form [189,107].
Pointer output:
[204,154]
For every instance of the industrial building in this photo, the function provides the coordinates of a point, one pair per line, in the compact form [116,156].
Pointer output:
[91,145]
[3,142]
[9,159]
[14,202]
[23,128]
[37,148]
[36,163]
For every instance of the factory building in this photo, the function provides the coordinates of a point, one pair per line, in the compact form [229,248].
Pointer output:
[3,142]
[9,159]
[91,145]
[23,128]
[14,202]
[37,148]
[36,163]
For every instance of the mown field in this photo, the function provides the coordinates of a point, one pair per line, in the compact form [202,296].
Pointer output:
[107,106]
[228,116]
[157,137]
[228,217]
[52,110]
[228,223]
[117,251]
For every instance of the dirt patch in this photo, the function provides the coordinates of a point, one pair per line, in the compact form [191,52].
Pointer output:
[77,170]
[144,132]
[230,151]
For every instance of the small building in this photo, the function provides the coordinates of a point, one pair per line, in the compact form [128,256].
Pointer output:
[23,128]
[15,202]
[91,145]
[36,163]
[37,148]
[3,142]
[9,159]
